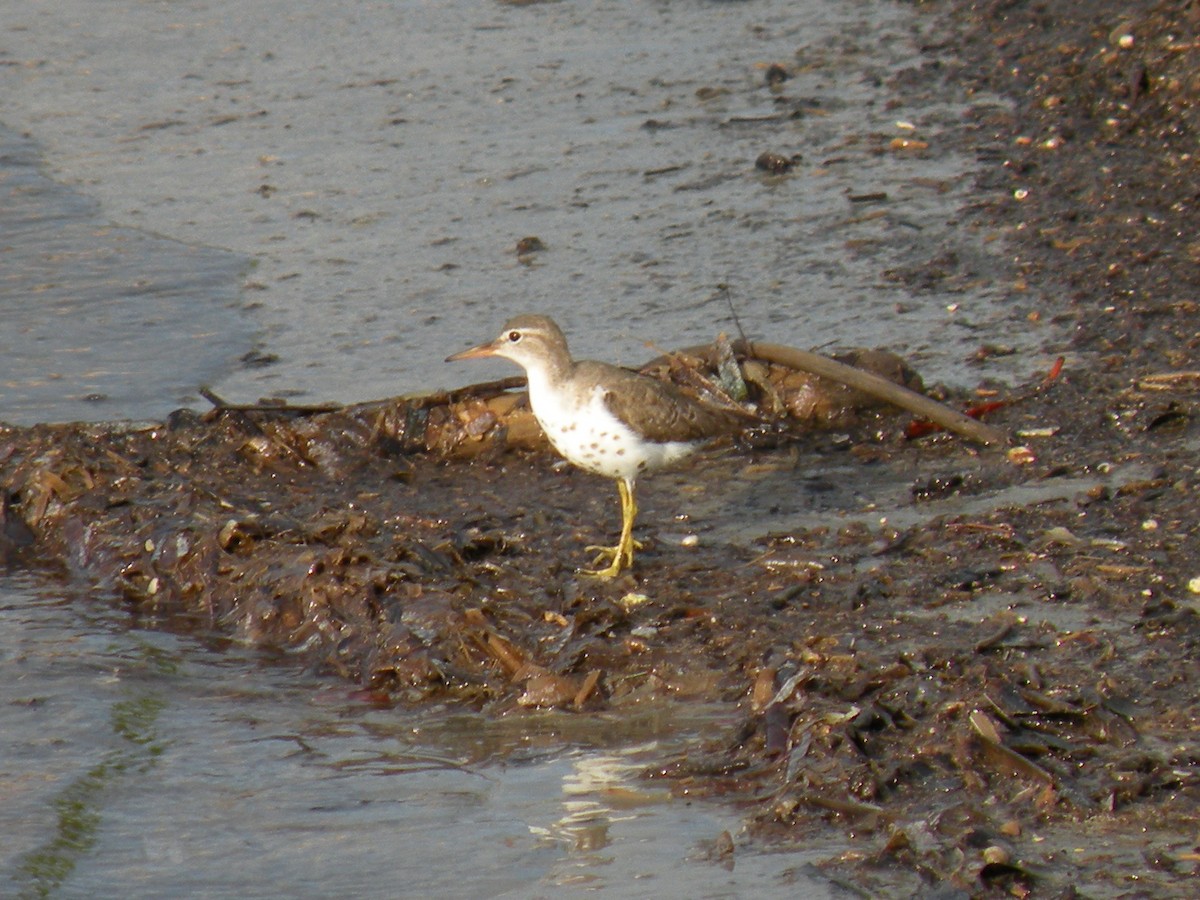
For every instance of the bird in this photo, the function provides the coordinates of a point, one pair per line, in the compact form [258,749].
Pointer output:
[602,418]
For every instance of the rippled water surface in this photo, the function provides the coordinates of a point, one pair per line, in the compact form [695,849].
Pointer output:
[375,165]
[140,764]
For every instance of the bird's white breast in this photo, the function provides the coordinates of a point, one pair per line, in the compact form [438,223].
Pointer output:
[582,429]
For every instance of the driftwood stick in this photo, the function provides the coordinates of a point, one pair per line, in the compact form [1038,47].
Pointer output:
[282,406]
[898,395]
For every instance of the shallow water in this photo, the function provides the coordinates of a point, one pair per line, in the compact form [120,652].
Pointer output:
[103,321]
[140,764]
[377,163]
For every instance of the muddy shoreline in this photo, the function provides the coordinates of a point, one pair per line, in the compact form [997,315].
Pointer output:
[998,698]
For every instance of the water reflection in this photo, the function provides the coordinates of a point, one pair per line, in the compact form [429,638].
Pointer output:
[144,764]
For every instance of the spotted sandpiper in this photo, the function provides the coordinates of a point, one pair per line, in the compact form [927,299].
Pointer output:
[602,418]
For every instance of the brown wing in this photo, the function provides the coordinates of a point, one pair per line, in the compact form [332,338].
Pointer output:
[655,408]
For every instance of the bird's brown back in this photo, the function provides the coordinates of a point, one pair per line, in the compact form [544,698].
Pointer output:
[657,409]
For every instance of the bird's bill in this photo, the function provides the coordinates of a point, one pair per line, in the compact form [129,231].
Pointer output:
[488,349]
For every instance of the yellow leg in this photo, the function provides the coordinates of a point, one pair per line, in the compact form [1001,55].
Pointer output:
[621,556]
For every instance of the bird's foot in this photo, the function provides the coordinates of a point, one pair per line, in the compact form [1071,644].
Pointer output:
[610,571]
[612,552]
[620,558]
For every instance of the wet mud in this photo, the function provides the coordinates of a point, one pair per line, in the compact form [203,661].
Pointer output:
[985,685]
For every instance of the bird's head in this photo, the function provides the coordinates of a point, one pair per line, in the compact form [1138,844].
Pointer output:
[529,341]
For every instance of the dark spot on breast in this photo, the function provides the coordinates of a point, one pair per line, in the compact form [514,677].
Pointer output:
[594,445]
[621,451]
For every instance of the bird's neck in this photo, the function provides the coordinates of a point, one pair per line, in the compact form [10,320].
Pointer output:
[547,380]
[550,371]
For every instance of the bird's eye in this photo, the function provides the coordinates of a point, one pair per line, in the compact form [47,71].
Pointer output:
[514,336]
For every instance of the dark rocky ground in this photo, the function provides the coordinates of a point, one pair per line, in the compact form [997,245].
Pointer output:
[994,695]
